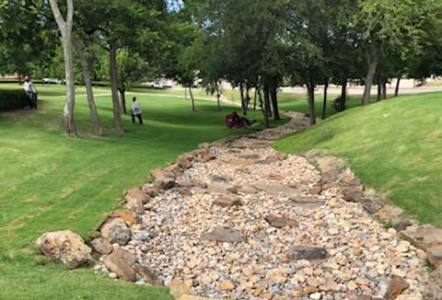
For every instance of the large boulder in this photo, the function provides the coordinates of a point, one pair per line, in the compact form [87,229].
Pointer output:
[65,246]
[116,231]
[396,286]
[121,263]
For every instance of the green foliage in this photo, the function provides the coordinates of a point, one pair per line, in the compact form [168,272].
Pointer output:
[11,99]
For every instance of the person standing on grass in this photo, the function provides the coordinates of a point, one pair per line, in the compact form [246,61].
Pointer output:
[31,92]
[136,111]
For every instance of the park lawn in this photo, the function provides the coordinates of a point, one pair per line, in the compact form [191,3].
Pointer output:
[51,182]
[298,102]
[394,146]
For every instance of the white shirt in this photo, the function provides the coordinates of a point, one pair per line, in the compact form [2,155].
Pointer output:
[136,108]
[29,87]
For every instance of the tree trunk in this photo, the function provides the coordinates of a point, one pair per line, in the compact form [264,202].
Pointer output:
[379,88]
[247,97]
[96,123]
[398,82]
[311,102]
[384,89]
[243,102]
[118,122]
[344,93]
[266,106]
[254,98]
[373,62]
[65,27]
[218,96]
[261,106]
[193,99]
[324,105]
[122,91]
[274,98]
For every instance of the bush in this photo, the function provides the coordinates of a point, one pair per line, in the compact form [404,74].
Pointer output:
[12,99]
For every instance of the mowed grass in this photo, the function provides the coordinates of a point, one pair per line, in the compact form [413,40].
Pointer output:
[298,101]
[394,146]
[51,182]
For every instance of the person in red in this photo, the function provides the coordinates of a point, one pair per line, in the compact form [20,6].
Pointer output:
[233,120]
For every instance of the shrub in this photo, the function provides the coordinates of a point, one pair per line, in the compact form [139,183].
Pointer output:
[12,99]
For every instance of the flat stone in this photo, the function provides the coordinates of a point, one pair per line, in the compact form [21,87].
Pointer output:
[129,217]
[276,188]
[102,246]
[250,156]
[307,253]
[280,222]
[223,234]
[307,202]
[222,179]
[66,246]
[402,224]
[395,287]
[150,190]
[352,193]
[227,201]
[120,262]
[246,189]
[423,237]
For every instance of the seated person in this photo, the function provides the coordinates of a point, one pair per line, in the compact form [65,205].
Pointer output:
[233,120]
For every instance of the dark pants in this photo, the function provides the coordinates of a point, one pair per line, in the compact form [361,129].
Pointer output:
[140,118]
[32,99]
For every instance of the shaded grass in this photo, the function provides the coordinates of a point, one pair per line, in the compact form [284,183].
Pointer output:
[394,146]
[50,182]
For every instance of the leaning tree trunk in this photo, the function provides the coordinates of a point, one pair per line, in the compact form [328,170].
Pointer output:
[324,105]
[266,109]
[96,123]
[379,97]
[116,108]
[373,62]
[274,98]
[311,102]
[65,27]
[398,82]
[193,99]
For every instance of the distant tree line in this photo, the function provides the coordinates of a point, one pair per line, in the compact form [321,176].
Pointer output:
[256,45]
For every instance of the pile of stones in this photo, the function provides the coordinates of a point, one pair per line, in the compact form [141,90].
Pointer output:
[238,220]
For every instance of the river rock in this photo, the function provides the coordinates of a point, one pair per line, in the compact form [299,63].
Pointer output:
[116,231]
[396,286]
[120,262]
[227,201]
[280,222]
[307,253]
[162,179]
[135,200]
[65,246]
[223,234]
[102,246]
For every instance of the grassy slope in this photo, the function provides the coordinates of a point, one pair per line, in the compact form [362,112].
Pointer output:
[394,146]
[49,182]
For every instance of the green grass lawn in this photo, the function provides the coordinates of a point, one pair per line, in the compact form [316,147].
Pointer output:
[50,182]
[298,102]
[394,146]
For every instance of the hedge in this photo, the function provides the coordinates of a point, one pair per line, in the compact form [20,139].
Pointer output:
[12,99]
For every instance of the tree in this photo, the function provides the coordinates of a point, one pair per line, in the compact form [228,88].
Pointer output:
[388,24]
[65,26]
[83,52]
